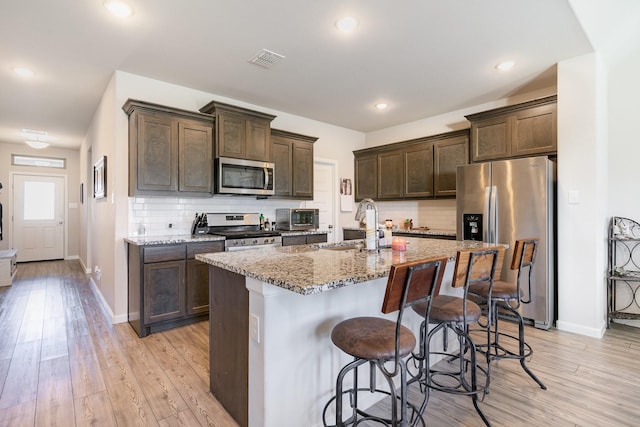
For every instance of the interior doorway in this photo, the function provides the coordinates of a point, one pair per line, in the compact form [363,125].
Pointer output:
[325,184]
[38,217]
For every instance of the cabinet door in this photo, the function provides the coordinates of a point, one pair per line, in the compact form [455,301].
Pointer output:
[197,287]
[491,139]
[196,157]
[449,154]
[157,153]
[418,171]
[391,175]
[366,175]
[294,240]
[282,157]
[534,131]
[316,238]
[353,234]
[164,291]
[302,170]
[257,140]
[230,134]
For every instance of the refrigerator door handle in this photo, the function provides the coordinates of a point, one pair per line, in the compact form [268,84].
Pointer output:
[494,214]
[487,215]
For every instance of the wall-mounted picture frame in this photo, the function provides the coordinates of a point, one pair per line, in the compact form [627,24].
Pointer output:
[100,178]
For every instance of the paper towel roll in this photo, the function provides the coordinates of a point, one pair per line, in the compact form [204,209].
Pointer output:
[370,232]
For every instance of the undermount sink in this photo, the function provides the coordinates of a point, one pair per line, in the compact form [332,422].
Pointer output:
[342,246]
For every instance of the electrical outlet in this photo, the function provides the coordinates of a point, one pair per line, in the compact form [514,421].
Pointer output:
[254,327]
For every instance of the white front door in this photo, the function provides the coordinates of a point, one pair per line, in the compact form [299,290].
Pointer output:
[38,217]
[324,194]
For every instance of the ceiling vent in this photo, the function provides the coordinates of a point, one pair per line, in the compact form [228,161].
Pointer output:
[266,58]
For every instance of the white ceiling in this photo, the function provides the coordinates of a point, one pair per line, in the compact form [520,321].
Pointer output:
[422,57]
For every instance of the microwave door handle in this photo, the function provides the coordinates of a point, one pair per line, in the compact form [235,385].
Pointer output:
[266,178]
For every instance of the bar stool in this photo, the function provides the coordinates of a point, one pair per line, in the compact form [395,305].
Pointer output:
[508,296]
[456,314]
[385,344]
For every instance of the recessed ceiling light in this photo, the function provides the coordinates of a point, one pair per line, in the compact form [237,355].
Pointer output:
[118,8]
[347,24]
[381,105]
[23,72]
[505,66]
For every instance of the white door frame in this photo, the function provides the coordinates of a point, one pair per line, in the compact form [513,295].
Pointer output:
[335,218]
[65,206]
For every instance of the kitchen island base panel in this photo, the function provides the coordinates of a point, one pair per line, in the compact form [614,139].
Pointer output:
[228,341]
[292,361]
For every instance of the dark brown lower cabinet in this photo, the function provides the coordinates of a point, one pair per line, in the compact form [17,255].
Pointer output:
[164,292]
[305,239]
[168,287]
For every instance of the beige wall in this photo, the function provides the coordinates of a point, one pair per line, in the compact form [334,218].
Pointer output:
[74,207]
[108,219]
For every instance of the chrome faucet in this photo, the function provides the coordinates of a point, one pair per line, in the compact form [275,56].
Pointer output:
[363,206]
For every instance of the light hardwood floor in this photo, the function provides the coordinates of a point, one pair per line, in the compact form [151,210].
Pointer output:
[63,364]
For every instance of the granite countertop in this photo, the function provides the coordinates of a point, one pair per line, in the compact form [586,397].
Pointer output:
[168,240]
[416,231]
[310,269]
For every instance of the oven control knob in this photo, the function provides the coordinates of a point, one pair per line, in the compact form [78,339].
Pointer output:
[242,242]
[255,242]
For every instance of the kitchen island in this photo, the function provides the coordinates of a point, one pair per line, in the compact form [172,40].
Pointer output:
[272,362]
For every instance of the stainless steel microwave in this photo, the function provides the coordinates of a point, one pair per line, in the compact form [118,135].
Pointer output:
[297,219]
[239,176]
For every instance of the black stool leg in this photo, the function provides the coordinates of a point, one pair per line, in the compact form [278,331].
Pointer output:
[522,350]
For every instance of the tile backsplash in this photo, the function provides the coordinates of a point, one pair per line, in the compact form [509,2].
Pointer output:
[160,216]
[438,214]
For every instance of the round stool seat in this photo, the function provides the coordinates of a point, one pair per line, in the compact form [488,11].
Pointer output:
[447,308]
[372,338]
[500,290]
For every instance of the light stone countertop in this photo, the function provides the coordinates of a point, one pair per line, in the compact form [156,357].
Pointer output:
[416,231]
[310,269]
[168,240]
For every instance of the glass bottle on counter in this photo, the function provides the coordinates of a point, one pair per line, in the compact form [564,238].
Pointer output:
[261,222]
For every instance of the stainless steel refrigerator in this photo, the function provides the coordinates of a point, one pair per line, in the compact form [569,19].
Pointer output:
[502,201]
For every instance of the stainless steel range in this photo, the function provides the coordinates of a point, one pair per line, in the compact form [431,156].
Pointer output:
[242,231]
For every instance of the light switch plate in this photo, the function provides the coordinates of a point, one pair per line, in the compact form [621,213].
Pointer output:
[254,327]
[574,197]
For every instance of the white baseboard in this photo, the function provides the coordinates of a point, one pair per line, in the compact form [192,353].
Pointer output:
[106,310]
[581,329]
[86,269]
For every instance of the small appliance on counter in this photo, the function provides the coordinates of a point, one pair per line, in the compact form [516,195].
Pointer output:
[297,219]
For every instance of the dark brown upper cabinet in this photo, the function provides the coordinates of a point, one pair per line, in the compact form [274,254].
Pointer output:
[391,174]
[240,133]
[449,153]
[520,130]
[292,155]
[417,169]
[366,175]
[170,151]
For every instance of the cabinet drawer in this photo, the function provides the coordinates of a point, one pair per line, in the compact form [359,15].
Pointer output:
[316,238]
[164,253]
[294,240]
[203,248]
